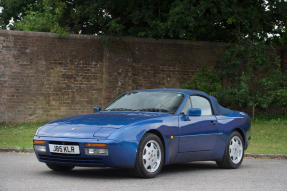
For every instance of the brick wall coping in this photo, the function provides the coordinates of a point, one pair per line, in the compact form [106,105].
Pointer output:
[128,39]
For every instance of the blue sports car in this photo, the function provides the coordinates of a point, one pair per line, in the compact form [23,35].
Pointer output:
[145,129]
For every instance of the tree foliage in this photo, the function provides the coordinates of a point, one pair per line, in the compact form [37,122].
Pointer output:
[46,18]
[248,69]
[275,83]
[249,24]
[204,20]
[250,78]
[204,80]
[244,57]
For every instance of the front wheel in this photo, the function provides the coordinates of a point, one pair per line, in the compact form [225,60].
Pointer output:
[234,152]
[56,167]
[150,157]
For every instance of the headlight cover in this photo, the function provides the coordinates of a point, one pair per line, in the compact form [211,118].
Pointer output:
[96,151]
[40,148]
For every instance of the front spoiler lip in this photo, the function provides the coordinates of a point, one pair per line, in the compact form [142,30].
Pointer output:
[70,160]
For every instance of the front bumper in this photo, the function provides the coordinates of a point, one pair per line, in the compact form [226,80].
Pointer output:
[121,154]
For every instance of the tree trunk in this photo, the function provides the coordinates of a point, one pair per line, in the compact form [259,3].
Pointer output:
[253,112]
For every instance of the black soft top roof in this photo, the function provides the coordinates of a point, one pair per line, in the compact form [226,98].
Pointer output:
[217,109]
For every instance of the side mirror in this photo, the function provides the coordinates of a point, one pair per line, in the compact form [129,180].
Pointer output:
[192,112]
[97,109]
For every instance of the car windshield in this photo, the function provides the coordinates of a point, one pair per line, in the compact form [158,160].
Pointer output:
[166,102]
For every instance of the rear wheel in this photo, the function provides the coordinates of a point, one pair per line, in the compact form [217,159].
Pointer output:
[56,167]
[150,157]
[234,152]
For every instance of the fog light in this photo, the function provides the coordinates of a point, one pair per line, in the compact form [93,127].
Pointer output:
[94,151]
[103,151]
[40,148]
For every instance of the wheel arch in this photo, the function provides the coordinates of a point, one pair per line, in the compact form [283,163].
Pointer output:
[241,132]
[157,133]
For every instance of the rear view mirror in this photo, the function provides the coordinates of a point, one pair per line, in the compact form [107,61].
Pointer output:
[192,112]
[97,109]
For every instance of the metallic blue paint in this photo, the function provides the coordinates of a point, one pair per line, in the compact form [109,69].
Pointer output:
[193,112]
[197,134]
[198,138]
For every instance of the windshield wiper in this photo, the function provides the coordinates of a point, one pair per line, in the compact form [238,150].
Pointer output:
[120,109]
[144,109]
[153,110]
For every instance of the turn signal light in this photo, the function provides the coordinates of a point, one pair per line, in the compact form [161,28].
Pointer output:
[39,142]
[96,145]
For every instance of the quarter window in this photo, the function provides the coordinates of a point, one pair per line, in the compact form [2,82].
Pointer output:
[187,106]
[202,103]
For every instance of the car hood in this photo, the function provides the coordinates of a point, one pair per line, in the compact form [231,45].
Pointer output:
[100,124]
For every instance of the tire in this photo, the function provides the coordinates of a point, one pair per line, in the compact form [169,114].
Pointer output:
[56,167]
[234,152]
[150,157]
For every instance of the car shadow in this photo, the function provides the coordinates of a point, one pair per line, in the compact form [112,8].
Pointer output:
[189,166]
[121,173]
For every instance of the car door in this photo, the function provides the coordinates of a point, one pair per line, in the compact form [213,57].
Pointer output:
[199,133]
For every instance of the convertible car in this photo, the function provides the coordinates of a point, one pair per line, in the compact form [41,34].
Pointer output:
[145,129]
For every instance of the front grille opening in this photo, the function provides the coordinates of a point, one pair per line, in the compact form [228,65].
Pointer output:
[70,159]
[63,154]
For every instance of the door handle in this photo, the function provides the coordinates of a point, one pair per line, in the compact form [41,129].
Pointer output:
[213,123]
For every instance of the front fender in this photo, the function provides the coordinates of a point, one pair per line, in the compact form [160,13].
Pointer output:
[166,126]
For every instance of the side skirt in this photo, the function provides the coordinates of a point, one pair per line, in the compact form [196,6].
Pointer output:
[193,156]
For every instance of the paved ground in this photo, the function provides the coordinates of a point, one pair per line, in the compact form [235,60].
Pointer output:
[22,171]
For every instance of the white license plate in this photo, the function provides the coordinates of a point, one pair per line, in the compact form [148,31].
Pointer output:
[66,149]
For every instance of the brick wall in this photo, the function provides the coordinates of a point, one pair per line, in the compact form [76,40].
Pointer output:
[141,63]
[43,77]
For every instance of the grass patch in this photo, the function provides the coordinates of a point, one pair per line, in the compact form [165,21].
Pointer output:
[268,138]
[19,136]
[269,119]
[269,135]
